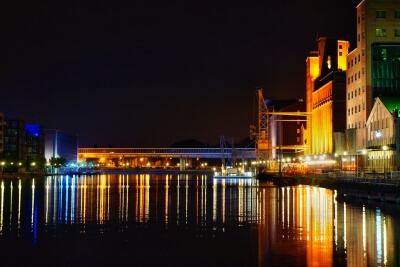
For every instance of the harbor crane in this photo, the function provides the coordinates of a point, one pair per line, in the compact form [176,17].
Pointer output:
[260,132]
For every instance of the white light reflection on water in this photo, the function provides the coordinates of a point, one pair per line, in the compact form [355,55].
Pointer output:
[2,208]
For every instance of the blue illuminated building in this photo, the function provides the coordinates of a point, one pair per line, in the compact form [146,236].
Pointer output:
[34,136]
[61,144]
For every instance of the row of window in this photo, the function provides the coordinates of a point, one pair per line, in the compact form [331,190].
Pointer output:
[356,125]
[381,14]
[379,124]
[383,32]
[356,59]
[353,77]
[353,110]
[353,94]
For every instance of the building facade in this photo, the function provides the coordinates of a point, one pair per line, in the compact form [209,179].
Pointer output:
[373,67]
[382,130]
[34,141]
[61,144]
[14,140]
[325,96]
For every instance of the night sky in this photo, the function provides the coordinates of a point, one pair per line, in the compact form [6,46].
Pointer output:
[129,74]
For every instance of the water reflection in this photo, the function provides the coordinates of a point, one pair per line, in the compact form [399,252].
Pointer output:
[294,226]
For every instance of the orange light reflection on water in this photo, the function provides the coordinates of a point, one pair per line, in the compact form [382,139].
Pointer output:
[297,227]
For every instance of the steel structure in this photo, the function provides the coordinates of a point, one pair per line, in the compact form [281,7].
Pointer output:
[263,148]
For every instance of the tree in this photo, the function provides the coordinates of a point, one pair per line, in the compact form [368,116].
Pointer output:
[58,162]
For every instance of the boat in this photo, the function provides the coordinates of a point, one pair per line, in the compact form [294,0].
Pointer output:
[232,173]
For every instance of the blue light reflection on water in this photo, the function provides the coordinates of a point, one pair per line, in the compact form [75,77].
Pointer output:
[160,214]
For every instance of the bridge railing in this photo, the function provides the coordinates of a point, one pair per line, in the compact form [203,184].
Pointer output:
[377,180]
[236,152]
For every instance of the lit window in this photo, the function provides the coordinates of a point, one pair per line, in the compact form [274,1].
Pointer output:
[380,32]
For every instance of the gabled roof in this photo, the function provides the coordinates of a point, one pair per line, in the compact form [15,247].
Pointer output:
[391,103]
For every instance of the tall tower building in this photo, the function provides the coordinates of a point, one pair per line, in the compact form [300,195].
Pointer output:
[373,67]
[325,96]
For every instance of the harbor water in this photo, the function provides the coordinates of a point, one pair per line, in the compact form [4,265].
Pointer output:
[189,219]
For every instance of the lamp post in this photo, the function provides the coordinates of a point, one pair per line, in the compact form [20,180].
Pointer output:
[384,154]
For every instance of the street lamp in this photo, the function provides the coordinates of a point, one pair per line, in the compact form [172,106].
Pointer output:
[385,147]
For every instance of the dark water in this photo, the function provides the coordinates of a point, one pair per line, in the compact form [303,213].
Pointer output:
[195,220]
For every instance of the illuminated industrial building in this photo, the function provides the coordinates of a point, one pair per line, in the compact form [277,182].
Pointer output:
[286,131]
[325,97]
[373,66]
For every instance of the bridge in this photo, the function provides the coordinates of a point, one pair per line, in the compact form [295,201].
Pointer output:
[161,157]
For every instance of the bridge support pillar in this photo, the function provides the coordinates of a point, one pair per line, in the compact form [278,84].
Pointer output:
[184,163]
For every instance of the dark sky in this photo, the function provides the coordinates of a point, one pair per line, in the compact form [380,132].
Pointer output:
[130,74]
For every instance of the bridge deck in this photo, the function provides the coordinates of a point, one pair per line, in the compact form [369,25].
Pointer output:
[247,153]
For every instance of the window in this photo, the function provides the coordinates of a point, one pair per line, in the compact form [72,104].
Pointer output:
[380,14]
[380,32]
[348,96]
[363,52]
[363,16]
[340,46]
[348,112]
[355,93]
[359,108]
[397,14]
[362,70]
[363,34]
[340,53]
[298,131]
[359,91]
[359,58]
[298,139]
[348,65]
[396,33]
[359,75]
